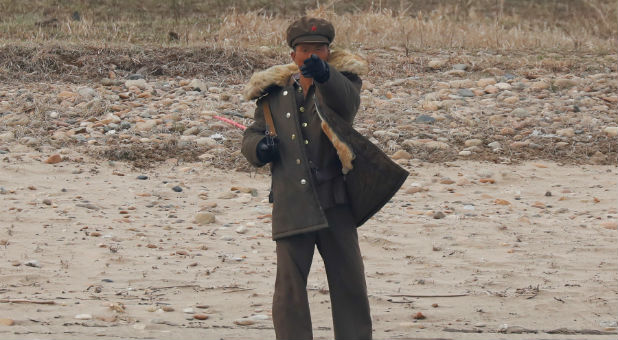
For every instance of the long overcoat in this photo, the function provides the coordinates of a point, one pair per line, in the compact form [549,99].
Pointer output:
[311,140]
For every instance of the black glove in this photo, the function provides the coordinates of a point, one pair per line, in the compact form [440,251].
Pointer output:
[315,68]
[268,149]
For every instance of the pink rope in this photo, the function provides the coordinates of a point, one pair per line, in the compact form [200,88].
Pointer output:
[231,122]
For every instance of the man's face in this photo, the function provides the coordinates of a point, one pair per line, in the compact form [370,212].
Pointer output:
[304,51]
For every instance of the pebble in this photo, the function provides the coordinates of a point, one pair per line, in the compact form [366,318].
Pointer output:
[83,316]
[188,310]
[53,159]
[32,263]
[401,154]
[465,93]
[139,83]
[473,142]
[439,215]
[465,153]
[204,218]
[484,82]
[244,322]
[177,188]
[611,131]
[425,119]
[611,225]
[47,201]
[241,230]
[142,177]
[200,317]
[436,63]
[7,322]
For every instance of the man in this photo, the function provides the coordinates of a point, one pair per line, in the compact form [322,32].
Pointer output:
[303,128]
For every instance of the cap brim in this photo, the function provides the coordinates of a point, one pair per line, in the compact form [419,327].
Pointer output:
[306,39]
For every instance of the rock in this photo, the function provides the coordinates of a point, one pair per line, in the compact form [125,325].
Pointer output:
[66,95]
[419,316]
[564,83]
[139,83]
[539,205]
[436,64]
[439,215]
[539,85]
[204,218]
[485,82]
[146,126]
[611,131]
[177,188]
[401,154]
[462,67]
[244,322]
[241,230]
[7,322]
[598,158]
[520,112]
[434,145]
[53,159]
[431,105]
[473,142]
[424,119]
[87,93]
[494,145]
[198,85]
[503,86]
[465,153]
[491,89]
[7,137]
[455,73]
[200,317]
[568,132]
[206,141]
[611,225]
[501,202]
[465,93]
[83,316]
[47,201]
[493,71]
[511,100]
[142,177]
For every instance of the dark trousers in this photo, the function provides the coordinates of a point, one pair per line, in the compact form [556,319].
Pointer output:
[338,246]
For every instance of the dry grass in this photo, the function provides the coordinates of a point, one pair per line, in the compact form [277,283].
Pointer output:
[414,25]
[76,63]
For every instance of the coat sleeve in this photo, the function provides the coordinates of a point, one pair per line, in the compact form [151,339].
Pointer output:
[341,92]
[252,136]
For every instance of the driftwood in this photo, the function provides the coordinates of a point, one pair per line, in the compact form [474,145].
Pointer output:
[427,296]
[28,301]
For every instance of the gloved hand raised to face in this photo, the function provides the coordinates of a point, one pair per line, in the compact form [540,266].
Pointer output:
[268,149]
[315,68]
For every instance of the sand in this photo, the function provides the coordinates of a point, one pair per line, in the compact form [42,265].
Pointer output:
[481,250]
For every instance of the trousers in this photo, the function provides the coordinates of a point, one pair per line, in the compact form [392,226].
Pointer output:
[338,246]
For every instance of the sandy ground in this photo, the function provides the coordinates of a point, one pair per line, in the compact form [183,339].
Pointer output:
[90,251]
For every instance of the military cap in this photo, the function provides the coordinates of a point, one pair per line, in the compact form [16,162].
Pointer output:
[310,30]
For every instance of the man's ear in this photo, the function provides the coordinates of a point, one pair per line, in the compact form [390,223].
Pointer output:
[293,54]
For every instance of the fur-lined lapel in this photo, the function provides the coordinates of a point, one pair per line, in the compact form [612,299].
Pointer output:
[279,75]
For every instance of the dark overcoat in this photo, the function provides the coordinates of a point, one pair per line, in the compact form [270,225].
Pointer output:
[312,140]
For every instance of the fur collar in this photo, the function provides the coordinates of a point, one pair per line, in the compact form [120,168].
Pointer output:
[279,75]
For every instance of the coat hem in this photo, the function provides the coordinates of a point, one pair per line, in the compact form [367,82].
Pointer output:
[382,204]
[299,231]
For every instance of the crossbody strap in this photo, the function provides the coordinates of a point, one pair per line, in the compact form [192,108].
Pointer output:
[268,117]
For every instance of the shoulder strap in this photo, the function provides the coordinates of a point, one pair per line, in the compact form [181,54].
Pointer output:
[268,117]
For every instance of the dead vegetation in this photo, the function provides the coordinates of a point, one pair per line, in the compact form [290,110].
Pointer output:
[79,63]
